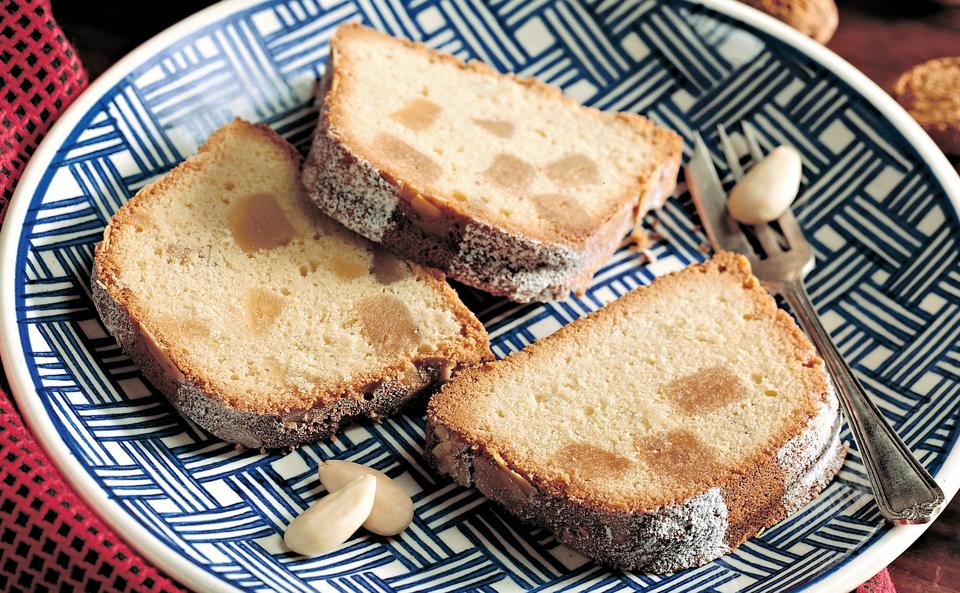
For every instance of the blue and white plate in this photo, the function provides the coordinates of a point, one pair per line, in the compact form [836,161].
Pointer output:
[878,203]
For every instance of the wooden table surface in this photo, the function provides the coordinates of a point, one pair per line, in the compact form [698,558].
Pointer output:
[880,37]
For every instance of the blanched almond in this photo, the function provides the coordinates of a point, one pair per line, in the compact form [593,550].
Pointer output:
[768,188]
[392,507]
[333,519]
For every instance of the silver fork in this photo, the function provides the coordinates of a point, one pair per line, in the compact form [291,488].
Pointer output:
[905,491]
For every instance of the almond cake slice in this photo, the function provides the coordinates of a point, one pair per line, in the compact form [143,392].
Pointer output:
[261,319]
[501,182]
[656,434]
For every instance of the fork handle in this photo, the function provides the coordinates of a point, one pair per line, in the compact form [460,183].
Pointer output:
[905,491]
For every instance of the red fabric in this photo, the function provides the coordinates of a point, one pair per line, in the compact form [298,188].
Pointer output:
[878,584]
[41,76]
[50,540]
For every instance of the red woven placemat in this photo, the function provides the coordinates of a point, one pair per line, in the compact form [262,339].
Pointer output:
[50,540]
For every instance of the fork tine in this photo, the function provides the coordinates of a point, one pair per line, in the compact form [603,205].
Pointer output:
[767,239]
[750,133]
[730,153]
[791,229]
[711,201]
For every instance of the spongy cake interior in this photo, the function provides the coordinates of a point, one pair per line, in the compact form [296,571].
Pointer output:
[258,296]
[512,153]
[655,401]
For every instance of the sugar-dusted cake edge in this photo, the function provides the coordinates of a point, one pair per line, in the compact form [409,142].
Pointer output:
[668,538]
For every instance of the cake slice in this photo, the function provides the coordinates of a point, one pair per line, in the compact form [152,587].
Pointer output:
[264,321]
[500,181]
[656,434]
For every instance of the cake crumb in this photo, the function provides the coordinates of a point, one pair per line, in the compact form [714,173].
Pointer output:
[640,239]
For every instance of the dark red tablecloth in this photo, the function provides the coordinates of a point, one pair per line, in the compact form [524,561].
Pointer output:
[50,540]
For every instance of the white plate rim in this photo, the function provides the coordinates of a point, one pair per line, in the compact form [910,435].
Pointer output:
[858,568]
